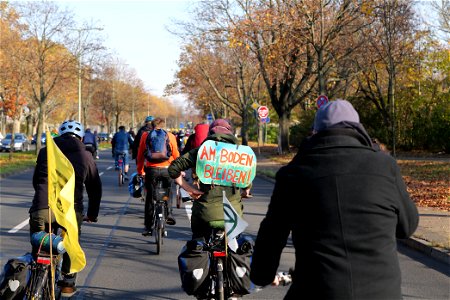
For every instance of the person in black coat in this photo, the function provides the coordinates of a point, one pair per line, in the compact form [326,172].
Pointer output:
[345,204]
[137,139]
[86,175]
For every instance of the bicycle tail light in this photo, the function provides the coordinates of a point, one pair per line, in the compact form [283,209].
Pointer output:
[43,260]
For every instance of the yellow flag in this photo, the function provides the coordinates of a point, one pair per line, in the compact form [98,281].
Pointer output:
[61,186]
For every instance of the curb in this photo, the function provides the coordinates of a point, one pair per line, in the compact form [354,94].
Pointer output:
[440,254]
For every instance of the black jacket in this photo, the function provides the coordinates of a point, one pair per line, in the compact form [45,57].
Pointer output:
[137,140]
[86,174]
[345,204]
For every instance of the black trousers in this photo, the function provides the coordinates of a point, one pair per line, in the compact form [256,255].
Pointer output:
[151,174]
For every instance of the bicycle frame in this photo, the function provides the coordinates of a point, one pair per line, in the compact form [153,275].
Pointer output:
[43,271]
[216,247]
[160,197]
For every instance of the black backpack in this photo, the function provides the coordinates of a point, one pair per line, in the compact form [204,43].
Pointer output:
[15,276]
[157,146]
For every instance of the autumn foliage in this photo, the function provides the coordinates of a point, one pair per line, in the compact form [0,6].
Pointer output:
[426,178]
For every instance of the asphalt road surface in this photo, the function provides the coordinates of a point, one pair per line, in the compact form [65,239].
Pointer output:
[122,264]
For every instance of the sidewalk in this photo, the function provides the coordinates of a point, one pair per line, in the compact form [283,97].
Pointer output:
[432,236]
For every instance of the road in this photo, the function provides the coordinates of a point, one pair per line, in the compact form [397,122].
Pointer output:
[122,264]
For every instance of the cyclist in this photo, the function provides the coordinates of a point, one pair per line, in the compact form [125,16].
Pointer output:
[131,133]
[347,203]
[90,141]
[209,204]
[196,139]
[153,170]
[86,175]
[121,144]
[147,127]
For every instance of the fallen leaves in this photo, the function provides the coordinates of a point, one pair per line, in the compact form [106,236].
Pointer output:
[427,182]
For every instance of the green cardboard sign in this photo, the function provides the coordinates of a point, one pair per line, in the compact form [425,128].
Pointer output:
[226,164]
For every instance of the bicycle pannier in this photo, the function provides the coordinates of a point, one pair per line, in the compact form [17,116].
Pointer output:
[193,264]
[14,277]
[239,266]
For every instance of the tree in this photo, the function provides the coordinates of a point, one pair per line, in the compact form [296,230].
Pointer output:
[48,60]
[13,71]
[220,78]
[390,43]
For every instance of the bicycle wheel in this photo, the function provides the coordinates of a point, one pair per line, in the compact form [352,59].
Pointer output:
[39,288]
[158,235]
[220,294]
[121,170]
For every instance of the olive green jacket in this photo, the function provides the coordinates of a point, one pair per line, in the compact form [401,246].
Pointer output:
[209,207]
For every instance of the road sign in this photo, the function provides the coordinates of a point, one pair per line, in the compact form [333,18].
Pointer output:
[265,120]
[263,112]
[255,105]
[209,117]
[321,101]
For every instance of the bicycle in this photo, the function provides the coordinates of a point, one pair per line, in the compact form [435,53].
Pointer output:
[121,168]
[45,270]
[160,197]
[216,247]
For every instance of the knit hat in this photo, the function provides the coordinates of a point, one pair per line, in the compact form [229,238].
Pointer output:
[333,113]
[220,126]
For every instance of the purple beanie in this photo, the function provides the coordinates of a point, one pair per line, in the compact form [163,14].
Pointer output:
[220,126]
[334,112]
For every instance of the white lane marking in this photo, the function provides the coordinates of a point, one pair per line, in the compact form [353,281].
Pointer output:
[24,223]
[110,167]
[20,226]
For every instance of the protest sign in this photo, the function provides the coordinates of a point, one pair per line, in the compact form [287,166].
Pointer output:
[226,164]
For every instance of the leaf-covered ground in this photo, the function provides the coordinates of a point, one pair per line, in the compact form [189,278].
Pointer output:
[427,180]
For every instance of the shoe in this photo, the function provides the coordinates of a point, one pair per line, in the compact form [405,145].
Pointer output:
[126,178]
[68,291]
[147,232]
[97,157]
[117,168]
[170,220]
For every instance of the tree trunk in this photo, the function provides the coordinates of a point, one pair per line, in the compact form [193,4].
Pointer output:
[284,132]
[40,127]
[244,130]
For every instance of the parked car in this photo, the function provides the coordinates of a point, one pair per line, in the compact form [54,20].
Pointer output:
[21,142]
[102,137]
[43,138]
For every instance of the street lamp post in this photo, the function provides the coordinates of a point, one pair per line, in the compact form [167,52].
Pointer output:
[80,57]
[79,88]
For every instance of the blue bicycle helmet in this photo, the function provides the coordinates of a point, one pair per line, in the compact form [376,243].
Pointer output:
[136,186]
[149,119]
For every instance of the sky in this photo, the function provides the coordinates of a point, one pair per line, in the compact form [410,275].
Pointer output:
[135,31]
